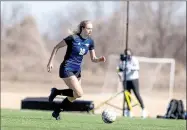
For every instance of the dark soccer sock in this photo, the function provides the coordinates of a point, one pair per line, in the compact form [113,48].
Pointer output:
[65,92]
[56,107]
[65,104]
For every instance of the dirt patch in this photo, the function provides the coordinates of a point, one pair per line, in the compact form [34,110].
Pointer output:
[13,93]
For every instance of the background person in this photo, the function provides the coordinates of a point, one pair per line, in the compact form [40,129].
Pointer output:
[131,69]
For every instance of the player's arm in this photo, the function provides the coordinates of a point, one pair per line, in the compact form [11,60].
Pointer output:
[120,70]
[55,49]
[94,58]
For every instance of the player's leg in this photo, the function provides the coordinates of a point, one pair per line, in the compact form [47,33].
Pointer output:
[63,92]
[127,86]
[67,77]
[73,83]
[71,99]
[135,85]
[63,73]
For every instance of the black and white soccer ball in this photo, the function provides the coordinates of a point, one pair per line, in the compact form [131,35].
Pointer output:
[108,116]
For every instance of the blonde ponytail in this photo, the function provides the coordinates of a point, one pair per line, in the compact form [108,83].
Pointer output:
[81,25]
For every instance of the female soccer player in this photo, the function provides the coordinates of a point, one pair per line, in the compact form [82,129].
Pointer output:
[78,45]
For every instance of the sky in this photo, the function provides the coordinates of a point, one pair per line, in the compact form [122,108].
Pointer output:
[50,7]
[42,10]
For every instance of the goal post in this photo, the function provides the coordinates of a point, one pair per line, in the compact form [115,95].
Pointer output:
[155,66]
[162,61]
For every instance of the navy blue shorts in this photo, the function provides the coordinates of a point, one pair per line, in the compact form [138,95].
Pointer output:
[65,72]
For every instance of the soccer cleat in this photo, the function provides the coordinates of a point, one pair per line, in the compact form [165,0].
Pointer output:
[56,115]
[144,113]
[128,113]
[52,95]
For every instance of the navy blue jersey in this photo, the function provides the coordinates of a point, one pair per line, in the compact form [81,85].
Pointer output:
[77,47]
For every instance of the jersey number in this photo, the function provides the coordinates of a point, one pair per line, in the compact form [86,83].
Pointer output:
[82,51]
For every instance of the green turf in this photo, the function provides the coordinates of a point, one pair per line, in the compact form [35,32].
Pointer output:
[41,120]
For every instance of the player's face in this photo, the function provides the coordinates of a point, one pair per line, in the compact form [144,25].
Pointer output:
[88,29]
[128,53]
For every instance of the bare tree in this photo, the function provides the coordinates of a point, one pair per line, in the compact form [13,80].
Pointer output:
[22,42]
[62,22]
[157,23]
[11,13]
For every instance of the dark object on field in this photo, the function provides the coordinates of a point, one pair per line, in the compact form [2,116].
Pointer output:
[42,103]
[175,110]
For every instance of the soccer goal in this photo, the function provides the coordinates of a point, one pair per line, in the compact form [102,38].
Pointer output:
[156,74]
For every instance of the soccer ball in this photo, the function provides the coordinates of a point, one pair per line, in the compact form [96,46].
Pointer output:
[108,116]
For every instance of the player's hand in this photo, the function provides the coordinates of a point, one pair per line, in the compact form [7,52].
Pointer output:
[117,69]
[102,59]
[49,67]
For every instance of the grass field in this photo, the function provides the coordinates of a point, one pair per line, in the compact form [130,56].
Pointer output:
[42,120]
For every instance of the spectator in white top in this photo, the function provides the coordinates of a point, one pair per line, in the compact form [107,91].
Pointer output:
[129,65]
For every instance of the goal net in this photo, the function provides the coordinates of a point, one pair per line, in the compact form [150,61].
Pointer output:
[156,79]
